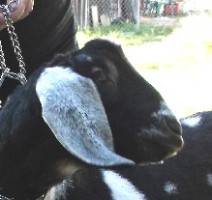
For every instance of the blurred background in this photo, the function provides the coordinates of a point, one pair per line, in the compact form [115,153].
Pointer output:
[168,42]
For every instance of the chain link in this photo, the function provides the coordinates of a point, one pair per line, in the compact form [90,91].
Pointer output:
[5,198]
[6,9]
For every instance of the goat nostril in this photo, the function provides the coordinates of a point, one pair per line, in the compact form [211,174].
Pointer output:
[174,125]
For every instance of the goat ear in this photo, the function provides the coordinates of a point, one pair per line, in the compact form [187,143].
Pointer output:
[72,109]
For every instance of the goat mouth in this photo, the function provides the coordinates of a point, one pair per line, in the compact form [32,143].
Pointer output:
[157,146]
[162,136]
[155,156]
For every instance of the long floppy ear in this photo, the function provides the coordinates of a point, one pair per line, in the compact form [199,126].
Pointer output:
[72,109]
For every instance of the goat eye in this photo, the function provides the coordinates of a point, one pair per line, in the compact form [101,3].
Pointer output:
[98,75]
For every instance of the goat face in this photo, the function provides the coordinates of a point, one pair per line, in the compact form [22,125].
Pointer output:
[143,127]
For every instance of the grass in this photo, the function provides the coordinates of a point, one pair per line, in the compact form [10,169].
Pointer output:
[128,34]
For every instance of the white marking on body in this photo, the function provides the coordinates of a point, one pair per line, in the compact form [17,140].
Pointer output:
[120,187]
[59,191]
[170,188]
[51,194]
[192,121]
[209,179]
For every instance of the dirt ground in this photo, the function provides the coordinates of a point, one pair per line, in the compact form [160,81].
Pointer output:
[167,21]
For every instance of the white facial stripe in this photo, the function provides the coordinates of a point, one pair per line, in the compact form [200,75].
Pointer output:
[88,58]
[192,121]
[120,187]
[151,131]
[163,111]
[84,57]
[209,179]
[170,188]
[151,163]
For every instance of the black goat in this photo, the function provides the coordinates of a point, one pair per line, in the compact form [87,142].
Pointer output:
[187,176]
[60,103]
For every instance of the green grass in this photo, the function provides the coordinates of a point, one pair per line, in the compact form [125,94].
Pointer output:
[128,34]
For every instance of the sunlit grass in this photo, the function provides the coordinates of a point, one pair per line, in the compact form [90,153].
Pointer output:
[127,34]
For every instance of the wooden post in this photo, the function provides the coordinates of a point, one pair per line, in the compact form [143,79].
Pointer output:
[95,16]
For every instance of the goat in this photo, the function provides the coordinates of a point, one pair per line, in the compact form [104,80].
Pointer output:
[184,177]
[55,123]
[144,128]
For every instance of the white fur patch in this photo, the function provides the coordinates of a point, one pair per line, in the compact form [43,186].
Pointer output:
[163,111]
[170,188]
[59,191]
[51,194]
[209,179]
[121,188]
[192,121]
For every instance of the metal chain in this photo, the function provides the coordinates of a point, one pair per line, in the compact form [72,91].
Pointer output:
[4,198]
[6,9]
